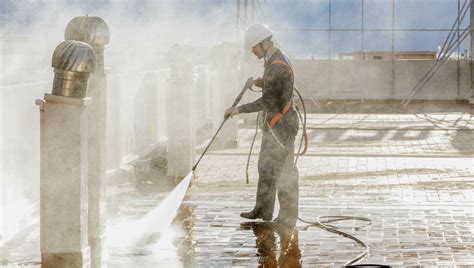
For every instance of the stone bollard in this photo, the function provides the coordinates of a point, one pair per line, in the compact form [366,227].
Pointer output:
[95,32]
[63,162]
[180,114]
[224,90]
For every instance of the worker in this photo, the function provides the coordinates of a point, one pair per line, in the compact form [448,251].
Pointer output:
[276,169]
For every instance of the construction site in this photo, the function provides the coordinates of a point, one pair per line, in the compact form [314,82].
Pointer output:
[239,133]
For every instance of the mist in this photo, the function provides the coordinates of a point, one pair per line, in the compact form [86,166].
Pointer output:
[140,74]
[142,34]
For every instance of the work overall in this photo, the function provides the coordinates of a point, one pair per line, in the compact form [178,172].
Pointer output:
[276,168]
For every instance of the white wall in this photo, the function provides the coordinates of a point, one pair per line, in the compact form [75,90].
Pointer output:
[372,79]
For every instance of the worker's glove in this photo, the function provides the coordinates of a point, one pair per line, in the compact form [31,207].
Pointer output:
[258,82]
[231,112]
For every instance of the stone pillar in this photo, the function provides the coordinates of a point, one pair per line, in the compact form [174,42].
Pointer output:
[95,32]
[471,50]
[63,159]
[112,146]
[180,112]
[224,89]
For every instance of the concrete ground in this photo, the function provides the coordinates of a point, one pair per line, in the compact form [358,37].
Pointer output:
[411,174]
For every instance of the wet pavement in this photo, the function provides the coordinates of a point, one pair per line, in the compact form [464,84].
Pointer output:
[412,175]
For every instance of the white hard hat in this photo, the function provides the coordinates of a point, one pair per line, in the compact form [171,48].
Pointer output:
[256,34]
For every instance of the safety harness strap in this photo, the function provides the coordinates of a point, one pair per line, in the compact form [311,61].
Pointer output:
[283,63]
[278,115]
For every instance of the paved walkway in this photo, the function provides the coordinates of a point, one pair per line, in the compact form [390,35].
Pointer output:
[412,175]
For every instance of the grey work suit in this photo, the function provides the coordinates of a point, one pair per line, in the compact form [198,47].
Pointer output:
[276,168]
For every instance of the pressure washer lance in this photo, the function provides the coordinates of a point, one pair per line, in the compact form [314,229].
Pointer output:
[247,85]
[318,223]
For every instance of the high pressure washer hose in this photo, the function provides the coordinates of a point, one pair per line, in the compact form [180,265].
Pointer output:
[323,224]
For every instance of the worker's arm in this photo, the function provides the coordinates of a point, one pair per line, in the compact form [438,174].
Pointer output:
[231,111]
[271,89]
[273,97]
[249,107]
[277,91]
[255,106]
[246,108]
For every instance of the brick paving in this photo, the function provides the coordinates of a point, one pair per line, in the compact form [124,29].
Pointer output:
[412,175]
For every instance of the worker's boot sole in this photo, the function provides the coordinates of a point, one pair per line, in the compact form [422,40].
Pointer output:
[252,215]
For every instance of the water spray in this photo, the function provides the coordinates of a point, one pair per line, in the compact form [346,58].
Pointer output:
[161,217]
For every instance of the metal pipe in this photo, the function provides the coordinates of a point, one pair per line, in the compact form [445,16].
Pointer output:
[444,54]
[453,29]
[458,65]
[393,50]
[432,71]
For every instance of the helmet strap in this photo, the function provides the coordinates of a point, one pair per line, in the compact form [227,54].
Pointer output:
[263,50]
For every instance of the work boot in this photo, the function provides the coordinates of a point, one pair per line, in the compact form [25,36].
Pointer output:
[255,214]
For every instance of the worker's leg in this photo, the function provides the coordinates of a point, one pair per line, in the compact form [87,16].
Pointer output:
[287,179]
[269,165]
[288,193]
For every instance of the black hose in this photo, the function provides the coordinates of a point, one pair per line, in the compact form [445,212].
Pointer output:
[304,134]
[322,224]
[250,151]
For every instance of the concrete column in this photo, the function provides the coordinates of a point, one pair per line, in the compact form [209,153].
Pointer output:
[203,101]
[63,162]
[145,106]
[95,32]
[113,125]
[224,83]
[471,100]
[180,111]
